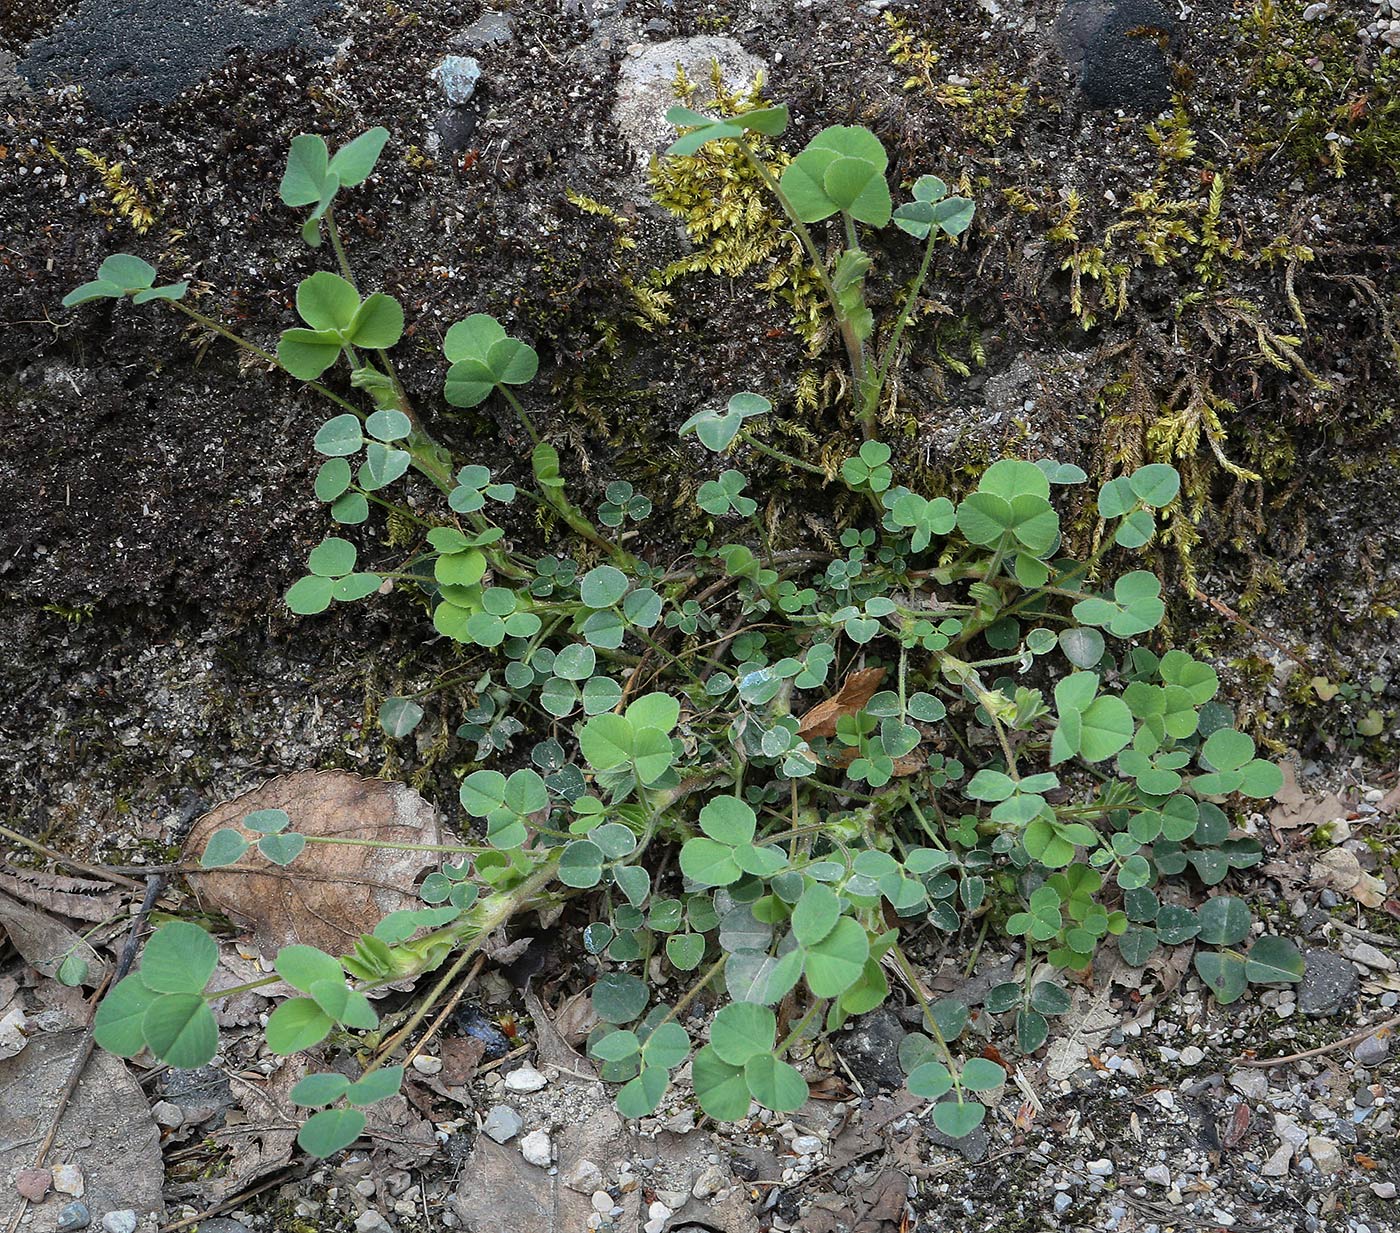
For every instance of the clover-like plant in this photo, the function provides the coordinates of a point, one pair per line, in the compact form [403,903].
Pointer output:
[943,716]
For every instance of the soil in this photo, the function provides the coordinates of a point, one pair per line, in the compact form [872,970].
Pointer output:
[158,489]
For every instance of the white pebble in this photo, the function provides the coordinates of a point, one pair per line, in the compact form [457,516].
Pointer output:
[537,1149]
[526,1079]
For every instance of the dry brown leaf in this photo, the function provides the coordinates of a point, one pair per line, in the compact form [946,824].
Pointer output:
[262,1131]
[1339,870]
[857,689]
[332,893]
[80,898]
[909,764]
[44,942]
[1296,808]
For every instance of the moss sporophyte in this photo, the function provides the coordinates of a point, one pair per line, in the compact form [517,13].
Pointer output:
[950,719]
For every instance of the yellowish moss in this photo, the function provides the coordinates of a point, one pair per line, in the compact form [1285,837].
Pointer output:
[127,201]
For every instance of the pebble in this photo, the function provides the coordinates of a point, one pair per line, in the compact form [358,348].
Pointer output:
[537,1149]
[68,1179]
[1192,1056]
[74,1216]
[457,77]
[709,1183]
[1329,982]
[602,1202]
[1383,1190]
[1252,1084]
[1062,1202]
[372,1221]
[1158,1175]
[1101,1168]
[806,1145]
[1277,1164]
[1325,1154]
[526,1079]
[1372,1050]
[585,1177]
[33,1184]
[502,1123]
[425,1065]
[167,1114]
[1315,12]
[123,1221]
[1372,957]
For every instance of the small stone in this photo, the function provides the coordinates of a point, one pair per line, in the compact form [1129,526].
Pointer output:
[537,1149]
[1329,983]
[1316,11]
[1192,1056]
[167,1114]
[68,1179]
[1277,1164]
[74,1216]
[602,1202]
[1252,1084]
[1372,957]
[501,1123]
[1383,1190]
[33,1184]
[806,1145]
[457,77]
[123,1221]
[1158,1175]
[709,1183]
[425,1065]
[1372,1050]
[585,1177]
[659,1211]
[1325,1154]
[490,27]
[526,1079]
[1101,1168]
[1062,1202]
[372,1221]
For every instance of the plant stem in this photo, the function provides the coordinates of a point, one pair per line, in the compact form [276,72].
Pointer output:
[520,412]
[872,395]
[855,352]
[749,439]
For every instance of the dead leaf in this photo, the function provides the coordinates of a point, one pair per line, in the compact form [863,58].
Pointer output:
[1296,808]
[261,1131]
[333,892]
[857,689]
[1340,870]
[45,942]
[550,1045]
[106,1130]
[576,1018]
[1239,1125]
[79,898]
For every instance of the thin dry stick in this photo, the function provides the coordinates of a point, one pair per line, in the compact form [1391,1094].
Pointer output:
[433,1027]
[1354,1038]
[154,886]
[237,1200]
[106,873]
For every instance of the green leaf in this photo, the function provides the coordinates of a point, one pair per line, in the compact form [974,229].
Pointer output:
[375,1086]
[709,863]
[225,846]
[377,323]
[1272,960]
[332,557]
[1156,484]
[129,273]
[179,958]
[118,1026]
[306,354]
[615,1046]
[97,289]
[339,436]
[815,915]
[835,963]
[1107,726]
[930,1080]
[180,1029]
[327,302]
[171,291]
[619,997]
[721,1089]
[388,425]
[1137,944]
[981,1075]
[355,159]
[728,820]
[685,950]
[743,1030]
[319,1089]
[602,586]
[581,864]
[958,1120]
[1227,750]
[304,180]
[282,849]
[1224,920]
[303,966]
[1224,972]
[330,1131]
[775,1084]
[295,1025]
[399,716]
[667,1046]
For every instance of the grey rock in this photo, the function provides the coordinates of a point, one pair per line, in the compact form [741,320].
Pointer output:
[457,77]
[372,1221]
[74,1216]
[454,128]
[1329,983]
[491,27]
[1251,1083]
[871,1050]
[644,87]
[1117,50]
[123,1221]
[1371,1050]
[502,1123]
[538,1149]
[127,53]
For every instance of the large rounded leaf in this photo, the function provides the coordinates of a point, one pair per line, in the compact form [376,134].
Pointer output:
[326,301]
[180,1029]
[835,963]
